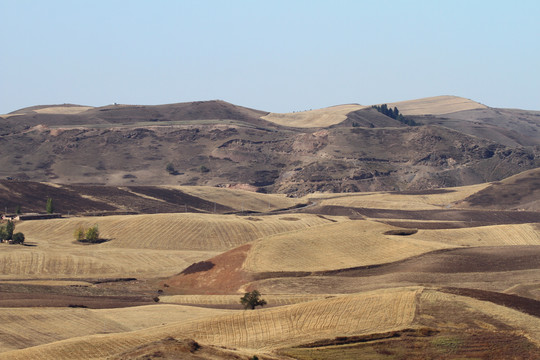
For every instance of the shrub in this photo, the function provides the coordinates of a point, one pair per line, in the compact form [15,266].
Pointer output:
[170,169]
[79,234]
[18,238]
[92,234]
[50,206]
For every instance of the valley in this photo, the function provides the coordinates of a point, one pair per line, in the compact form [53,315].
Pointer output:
[366,237]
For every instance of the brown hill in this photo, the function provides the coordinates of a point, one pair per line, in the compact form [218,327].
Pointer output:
[219,144]
[519,192]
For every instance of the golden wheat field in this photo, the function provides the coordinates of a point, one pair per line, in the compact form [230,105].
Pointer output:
[495,235]
[242,200]
[271,299]
[437,105]
[334,246]
[26,327]
[264,330]
[395,201]
[314,118]
[184,231]
[171,242]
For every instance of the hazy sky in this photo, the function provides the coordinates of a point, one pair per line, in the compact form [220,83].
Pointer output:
[271,55]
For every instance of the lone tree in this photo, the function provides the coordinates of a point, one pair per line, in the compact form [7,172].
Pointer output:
[50,206]
[252,299]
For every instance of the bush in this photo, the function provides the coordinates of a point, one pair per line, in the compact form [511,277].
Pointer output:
[50,206]
[18,238]
[92,234]
[79,234]
[170,169]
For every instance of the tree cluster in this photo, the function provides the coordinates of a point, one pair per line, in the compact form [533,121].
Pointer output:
[90,235]
[394,114]
[7,233]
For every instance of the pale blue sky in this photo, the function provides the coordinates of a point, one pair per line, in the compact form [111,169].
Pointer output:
[274,55]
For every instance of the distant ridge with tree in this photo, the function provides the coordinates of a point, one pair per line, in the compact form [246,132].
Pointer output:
[394,114]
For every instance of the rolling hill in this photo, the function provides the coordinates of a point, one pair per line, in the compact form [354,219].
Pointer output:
[345,148]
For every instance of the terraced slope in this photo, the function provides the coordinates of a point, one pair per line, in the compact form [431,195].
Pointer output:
[263,330]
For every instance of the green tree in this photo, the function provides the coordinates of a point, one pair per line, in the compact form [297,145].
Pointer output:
[18,238]
[79,234]
[92,234]
[18,210]
[50,206]
[8,230]
[252,299]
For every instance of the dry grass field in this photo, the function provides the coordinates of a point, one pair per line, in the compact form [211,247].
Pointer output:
[262,330]
[338,283]
[335,246]
[63,110]
[497,235]
[421,200]
[184,231]
[314,118]
[242,200]
[26,327]
[332,115]
[437,105]
[171,242]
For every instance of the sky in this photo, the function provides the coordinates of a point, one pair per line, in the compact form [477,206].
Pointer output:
[278,56]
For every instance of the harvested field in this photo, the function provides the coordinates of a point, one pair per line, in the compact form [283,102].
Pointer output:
[437,105]
[83,262]
[264,329]
[26,327]
[484,217]
[334,246]
[242,200]
[527,324]
[314,118]
[413,200]
[202,232]
[495,235]
[220,300]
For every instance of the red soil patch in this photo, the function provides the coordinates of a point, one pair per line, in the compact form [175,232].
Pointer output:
[225,277]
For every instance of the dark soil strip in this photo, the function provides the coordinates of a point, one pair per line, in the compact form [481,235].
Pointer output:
[484,217]
[54,300]
[526,305]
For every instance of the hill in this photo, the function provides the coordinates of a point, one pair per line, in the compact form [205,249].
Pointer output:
[519,192]
[215,143]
